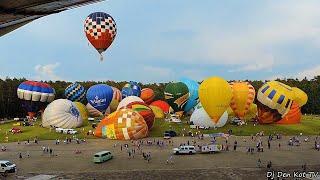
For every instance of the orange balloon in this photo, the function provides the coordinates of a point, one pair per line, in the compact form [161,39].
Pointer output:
[147,95]
[293,116]
[267,115]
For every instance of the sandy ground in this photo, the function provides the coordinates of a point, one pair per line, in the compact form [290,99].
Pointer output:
[224,165]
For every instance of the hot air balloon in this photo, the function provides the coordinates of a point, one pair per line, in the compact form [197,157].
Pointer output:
[131,89]
[100,96]
[116,94]
[201,118]
[147,95]
[193,87]
[293,116]
[123,124]
[75,92]
[243,96]
[100,29]
[61,113]
[274,101]
[157,112]
[93,112]
[300,96]
[215,96]
[128,100]
[144,110]
[83,110]
[162,105]
[35,96]
[177,95]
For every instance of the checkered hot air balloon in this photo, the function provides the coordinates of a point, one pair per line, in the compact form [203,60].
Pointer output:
[75,92]
[100,29]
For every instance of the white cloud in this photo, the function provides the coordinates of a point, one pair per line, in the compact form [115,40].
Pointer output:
[47,72]
[307,73]
[264,64]
[152,73]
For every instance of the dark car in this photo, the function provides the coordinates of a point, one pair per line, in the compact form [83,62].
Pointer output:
[171,133]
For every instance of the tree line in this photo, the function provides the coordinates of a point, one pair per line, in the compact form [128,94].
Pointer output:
[10,105]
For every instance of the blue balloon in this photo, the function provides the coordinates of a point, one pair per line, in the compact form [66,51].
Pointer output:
[131,89]
[100,96]
[193,87]
[75,92]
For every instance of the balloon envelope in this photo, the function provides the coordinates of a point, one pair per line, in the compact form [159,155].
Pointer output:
[177,95]
[35,95]
[293,116]
[300,96]
[193,87]
[100,29]
[75,92]
[128,100]
[147,95]
[162,105]
[83,110]
[61,113]
[200,117]
[215,95]
[243,95]
[144,110]
[123,124]
[99,96]
[157,112]
[131,89]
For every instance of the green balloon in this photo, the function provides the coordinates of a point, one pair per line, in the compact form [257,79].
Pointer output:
[176,95]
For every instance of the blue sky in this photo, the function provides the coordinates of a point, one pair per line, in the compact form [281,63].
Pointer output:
[160,41]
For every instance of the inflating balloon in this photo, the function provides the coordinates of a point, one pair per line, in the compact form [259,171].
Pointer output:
[144,110]
[83,110]
[243,95]
[200,117]
[99,96]
[215,96]
[157,112]
[162,105]
[100,29]
[293,116]
[193,87]
[300,96]
[277,96]
[128,100]
[123,124]
[61,113]
[35,96]
[147,95]
[75,92]
[177,95]
[131,89]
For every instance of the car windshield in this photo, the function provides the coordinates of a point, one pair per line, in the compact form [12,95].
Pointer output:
[8,164]
[96,155]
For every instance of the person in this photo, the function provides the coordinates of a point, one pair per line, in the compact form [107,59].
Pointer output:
[304,167]
[259,163]
[28,154]
[269,145]
[279,145]
[235,145]
[269,165]
[20,156]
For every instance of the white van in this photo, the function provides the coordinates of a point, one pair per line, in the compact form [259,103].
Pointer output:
[185,150]
[7,167]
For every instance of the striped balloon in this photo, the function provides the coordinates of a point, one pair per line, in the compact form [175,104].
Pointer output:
[116,94]
[243,96]
[75,92]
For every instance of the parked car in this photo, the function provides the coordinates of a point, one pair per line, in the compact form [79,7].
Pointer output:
[185,150]
[59,130]
[7,167]
[15,130]
[166,135]
[171,133]
[102,156]
[69,131]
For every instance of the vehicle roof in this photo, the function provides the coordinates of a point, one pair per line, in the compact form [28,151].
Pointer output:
[186,146]
[4,161]
[102,152]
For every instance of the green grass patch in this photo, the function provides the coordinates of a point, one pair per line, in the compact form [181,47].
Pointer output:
[310,125]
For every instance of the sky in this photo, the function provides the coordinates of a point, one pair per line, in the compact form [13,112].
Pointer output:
[161,41]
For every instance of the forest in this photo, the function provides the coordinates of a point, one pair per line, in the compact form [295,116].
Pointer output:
[10,105]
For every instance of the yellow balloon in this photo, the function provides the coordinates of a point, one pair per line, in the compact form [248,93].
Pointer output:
[300,96]
[243,96]
[276,95]
[157,112]
[215,95]
[83,110]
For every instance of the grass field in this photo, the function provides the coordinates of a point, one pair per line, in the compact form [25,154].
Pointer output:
[310,125]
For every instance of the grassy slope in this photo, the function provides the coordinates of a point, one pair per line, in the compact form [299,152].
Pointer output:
[310,126]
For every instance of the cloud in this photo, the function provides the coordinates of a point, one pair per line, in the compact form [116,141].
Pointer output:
[47,72]
[152,73]
[307,73]
[265,64]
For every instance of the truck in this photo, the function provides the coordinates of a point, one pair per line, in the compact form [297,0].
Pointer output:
[210,148]
[185,150]
[7,167]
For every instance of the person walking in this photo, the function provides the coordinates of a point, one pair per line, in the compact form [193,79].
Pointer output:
[20,156]
[269,145]
[259,163]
